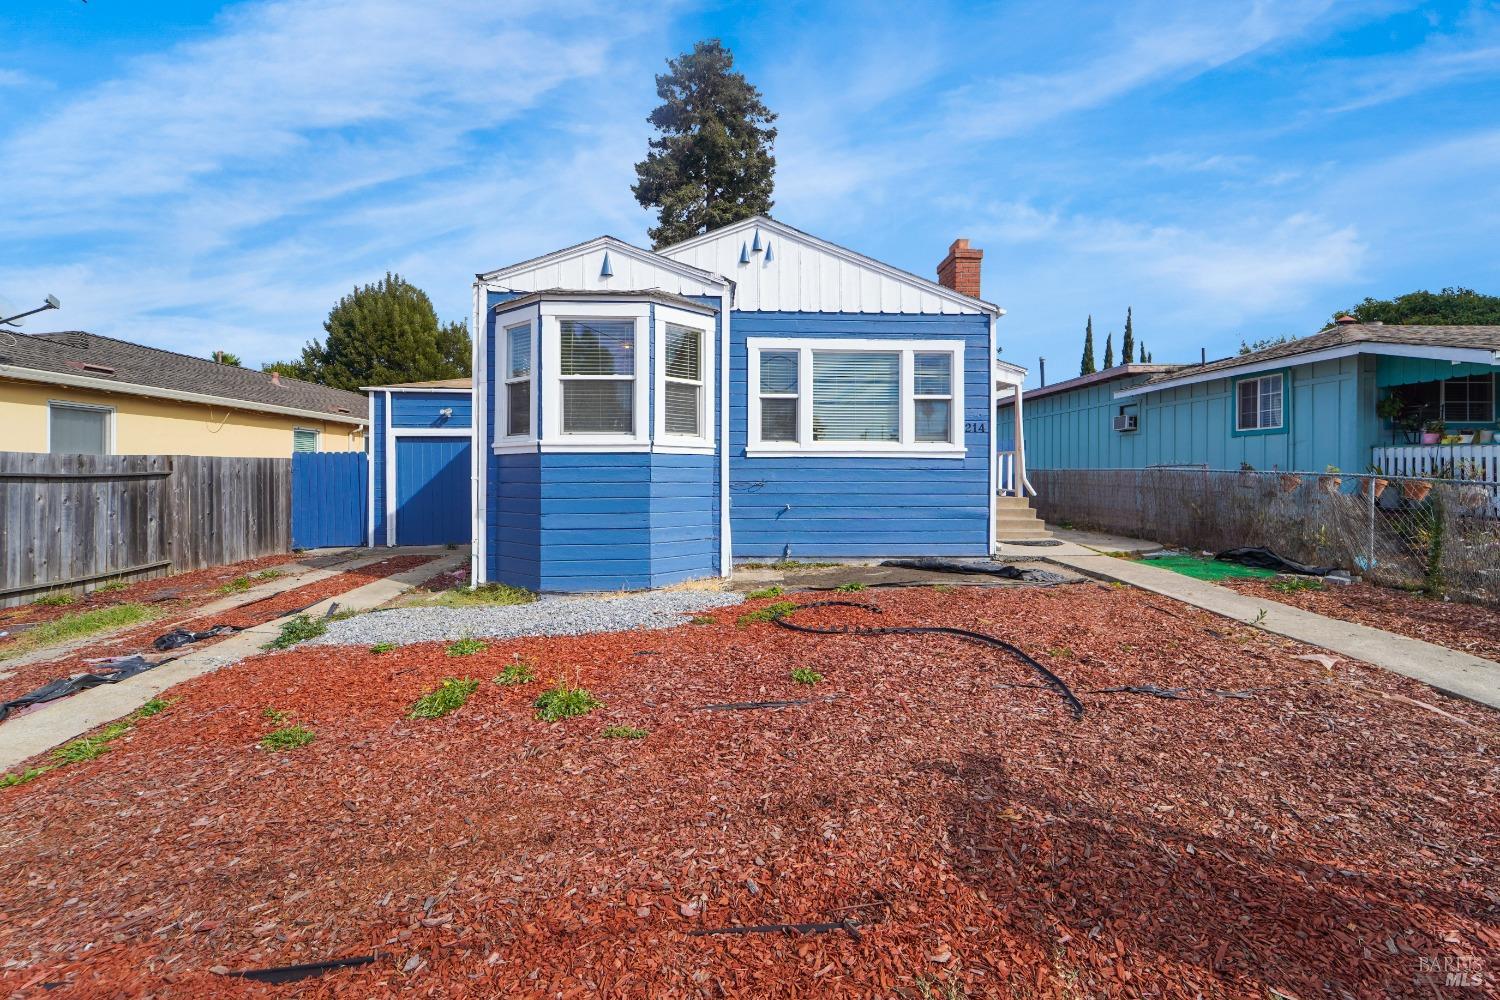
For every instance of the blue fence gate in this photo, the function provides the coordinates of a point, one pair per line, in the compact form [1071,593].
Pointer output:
[329,498]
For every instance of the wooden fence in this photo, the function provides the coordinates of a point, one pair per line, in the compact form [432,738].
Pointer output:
[69,521]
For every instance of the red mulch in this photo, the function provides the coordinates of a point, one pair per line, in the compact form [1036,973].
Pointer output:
[446,580]
[1469,628]
[1316,838]
[29,676]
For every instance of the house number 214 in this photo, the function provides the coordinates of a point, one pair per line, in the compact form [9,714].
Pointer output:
[974,427]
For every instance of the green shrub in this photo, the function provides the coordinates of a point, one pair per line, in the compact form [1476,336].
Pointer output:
[56,599]
[768,612]
[296,630]
[448,697]
[802,675]
[383,647]
[771,591]
[852,587]
[287,738]
[467,647]
[238,585]
[625,733]
[563,702]
[518,671]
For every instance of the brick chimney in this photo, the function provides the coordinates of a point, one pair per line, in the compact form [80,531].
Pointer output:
[960,269]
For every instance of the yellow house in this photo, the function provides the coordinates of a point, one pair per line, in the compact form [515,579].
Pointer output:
[80,393]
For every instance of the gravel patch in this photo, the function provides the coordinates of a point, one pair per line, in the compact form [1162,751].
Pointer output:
[548,616]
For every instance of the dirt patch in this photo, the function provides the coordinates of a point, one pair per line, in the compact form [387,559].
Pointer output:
[1306,838]
[1469,628]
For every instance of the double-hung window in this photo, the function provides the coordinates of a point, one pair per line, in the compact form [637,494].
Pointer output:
[78,429]
[683,399]
[855,397]
[1259,403]
[517,372]
[597,374]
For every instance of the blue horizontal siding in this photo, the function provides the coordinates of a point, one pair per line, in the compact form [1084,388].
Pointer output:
[423,409]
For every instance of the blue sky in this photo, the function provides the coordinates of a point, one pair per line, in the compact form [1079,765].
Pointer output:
[215,175]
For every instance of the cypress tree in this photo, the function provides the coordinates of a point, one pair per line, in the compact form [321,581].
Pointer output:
[1142,352]
[1087,368]
[1109,350]
[1127,346]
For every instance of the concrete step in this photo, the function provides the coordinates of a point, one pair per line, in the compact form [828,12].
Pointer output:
[1015,517]
[1004,503]
[1011,534]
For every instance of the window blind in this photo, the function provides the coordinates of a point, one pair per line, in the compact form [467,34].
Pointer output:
[518,407]
[304,441]
[856,396]
[684,374]
[519,351]
[598,407]
[684,353]
[77,430]
[933,374]
[778,372]
[598,347]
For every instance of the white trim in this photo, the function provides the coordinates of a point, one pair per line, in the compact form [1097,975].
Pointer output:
[317,435]
[135,389]
[906,447]
[390,475]
[514,448]
[591,443]
[551,434]
[432,432]
[994,456]
[531,319]
[370,476]
[1457,355]
[111,421]
[682,444]
[1280,377]
[783,231]
[478,427]
[649,257]
[407,388]
[726,551]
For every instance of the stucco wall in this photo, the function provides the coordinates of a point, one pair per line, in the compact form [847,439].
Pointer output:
[147,426]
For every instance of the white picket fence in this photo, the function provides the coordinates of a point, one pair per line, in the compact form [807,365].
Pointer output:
[1475,462]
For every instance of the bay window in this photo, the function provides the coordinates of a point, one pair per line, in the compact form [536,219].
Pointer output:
[855,397]
[517,372]
[597,372]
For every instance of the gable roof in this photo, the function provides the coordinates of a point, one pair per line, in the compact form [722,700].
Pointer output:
[74,357]
[436,385]
[1106,375]
[581,267]
[1477,344]
[796,271]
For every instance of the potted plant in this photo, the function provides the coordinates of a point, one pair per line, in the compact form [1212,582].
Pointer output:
[1432,431]
[1389,409]
[1330,481]
[1375,482]
[1465,436]
[1415,490]
[1486,435]
[1290,482]
[1411,426]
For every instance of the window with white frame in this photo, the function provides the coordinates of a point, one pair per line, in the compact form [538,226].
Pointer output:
[683,395]
[1258,403]
[597,375]
[304,440]
[854,397]
[77,429]
[517,373]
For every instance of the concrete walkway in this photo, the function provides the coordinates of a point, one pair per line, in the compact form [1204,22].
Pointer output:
[1447,670]
[68,718]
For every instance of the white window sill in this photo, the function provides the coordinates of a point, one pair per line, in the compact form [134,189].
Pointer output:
[518,446]
[683,446]
[801,451]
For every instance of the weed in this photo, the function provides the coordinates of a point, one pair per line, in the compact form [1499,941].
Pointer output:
[802,675]
[56,599]
[467,647]
[702,620]
[852,587]
[276,715]
[21,777]
[1061,653]
[447,698]
[77,624]
[287,738]
[625,733]
[346,614]
[787,564]
[1118,584]
[768,612]
[153,707]
[484,595]
[296,630]
[87,748]
[238,585]
[771,591]
[269,574]
[563,702]
[111,587]
[518,671]
[948,989]
[1259,619]
[383,647]
[1295,584]
[944,588]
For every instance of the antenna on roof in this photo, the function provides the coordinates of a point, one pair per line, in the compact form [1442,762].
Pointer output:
[49,303]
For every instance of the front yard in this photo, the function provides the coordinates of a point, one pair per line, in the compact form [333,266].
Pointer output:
[1281,825]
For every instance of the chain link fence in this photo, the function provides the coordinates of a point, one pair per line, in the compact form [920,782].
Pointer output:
[1442,535]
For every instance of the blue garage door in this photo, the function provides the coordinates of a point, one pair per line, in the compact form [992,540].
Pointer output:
[432,490]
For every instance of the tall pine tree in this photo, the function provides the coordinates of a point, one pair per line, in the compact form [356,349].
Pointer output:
[1109,350]
[1127,346]
[711,162]
[382,333]
[1087,368]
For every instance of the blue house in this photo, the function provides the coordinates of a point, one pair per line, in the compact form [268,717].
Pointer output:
[647,417]
[421,444]
[1353,396]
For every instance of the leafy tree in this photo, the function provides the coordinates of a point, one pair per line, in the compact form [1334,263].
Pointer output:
[1450,307]
[1087,368]
[710,163]
[226,358]
[1265,342]
[288,369]
[385,332]
[1109,350]
[1127,346]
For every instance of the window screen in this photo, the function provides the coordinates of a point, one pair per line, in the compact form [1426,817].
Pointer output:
[856,396]
[932,383]
[79,430]
[778,399]
[518,380]
[684,380]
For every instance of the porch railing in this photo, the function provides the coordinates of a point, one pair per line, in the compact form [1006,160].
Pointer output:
[1005,477]
[1475,462]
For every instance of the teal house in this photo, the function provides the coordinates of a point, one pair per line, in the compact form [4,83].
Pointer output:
[1404,400]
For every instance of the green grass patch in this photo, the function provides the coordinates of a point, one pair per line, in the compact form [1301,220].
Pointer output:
[346,614]
[269,574]
[516,672]
[295,630]
[238,585]
[87,748]
[77,624]
[155,706]
[771,591]
[447,698]
[803,675]
[563,702]
[467,647]
[276,716]
[768,612]
[852,587]
[1296,584]
[625,733]
[22,777]
[485,595]
[383,647]
[113,586]
[287,738]
[56,599]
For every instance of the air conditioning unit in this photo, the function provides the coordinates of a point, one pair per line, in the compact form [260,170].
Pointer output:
[1125,422]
